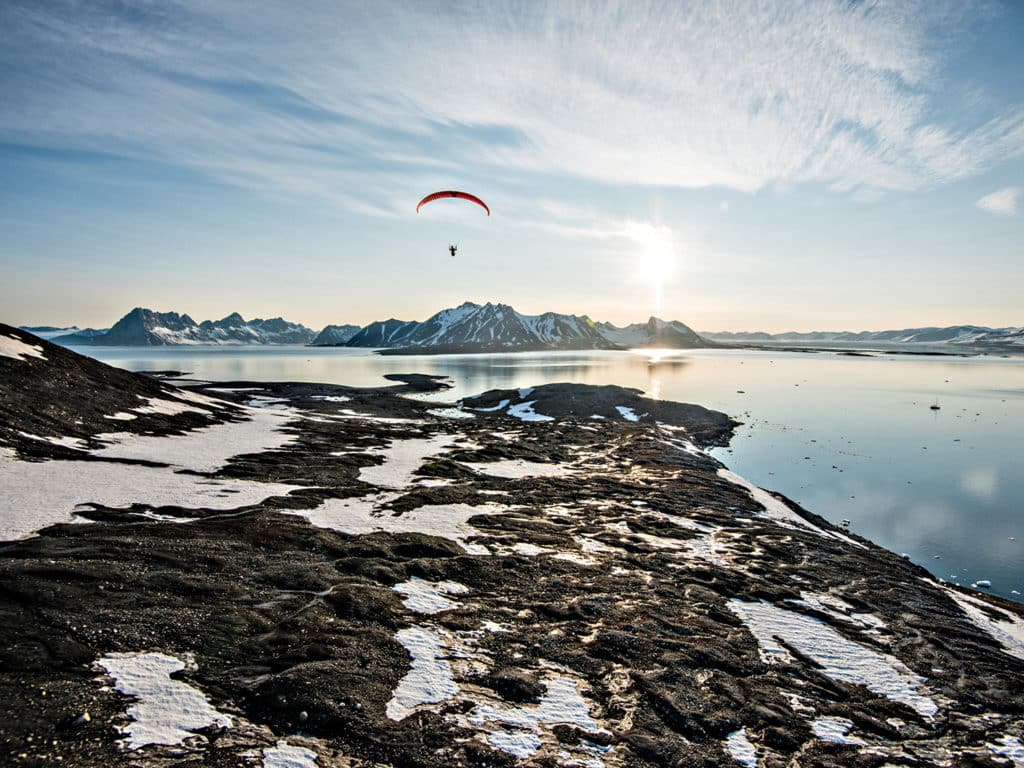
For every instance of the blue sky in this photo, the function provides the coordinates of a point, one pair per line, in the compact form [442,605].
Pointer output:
[731,164]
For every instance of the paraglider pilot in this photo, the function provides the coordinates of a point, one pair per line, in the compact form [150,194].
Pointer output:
[452,249]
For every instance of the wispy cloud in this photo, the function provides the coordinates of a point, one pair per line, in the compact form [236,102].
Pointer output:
[369,105]
[1002,201]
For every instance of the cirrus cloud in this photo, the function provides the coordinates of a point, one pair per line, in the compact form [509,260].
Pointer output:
[1002,201]
[322,99]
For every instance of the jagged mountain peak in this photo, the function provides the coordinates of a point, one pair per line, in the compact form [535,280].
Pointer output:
[495,326]
[144,327]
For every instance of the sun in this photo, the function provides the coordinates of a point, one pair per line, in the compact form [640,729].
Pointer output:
[656,256]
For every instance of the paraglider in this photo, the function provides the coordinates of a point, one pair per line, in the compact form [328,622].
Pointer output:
[455,194]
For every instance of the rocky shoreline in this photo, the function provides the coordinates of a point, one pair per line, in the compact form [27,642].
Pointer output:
[252,574]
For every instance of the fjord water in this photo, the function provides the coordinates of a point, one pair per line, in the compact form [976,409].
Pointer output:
[848,437]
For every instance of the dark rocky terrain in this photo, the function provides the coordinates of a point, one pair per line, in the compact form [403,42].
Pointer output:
[556,576]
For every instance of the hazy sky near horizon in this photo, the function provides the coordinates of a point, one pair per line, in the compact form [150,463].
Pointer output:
[801,165]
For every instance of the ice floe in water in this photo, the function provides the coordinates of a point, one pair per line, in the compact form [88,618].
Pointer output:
[18,349]
[361,516]
[741,749]
[425,596]
[1008,631]
[430,679]
[167,711]
[285,755]
[525,412]
[839,658]
[834,729]
[36,494]
[516,468]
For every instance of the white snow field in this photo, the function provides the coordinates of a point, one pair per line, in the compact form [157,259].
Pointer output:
[838,657]
[402,458]
[742,751]
[36,494]
[167,711]
[361,515]
[516,468]
[14,347]
[430,679]
[428,597]
[1008,632]
[285,755]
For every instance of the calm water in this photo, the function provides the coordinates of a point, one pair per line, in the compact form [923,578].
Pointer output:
[848,437]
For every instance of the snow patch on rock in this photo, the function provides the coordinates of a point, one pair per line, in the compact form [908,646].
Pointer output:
[13,347]
[838,657]
[778,510]
[37,494]
[741,749]
[361,516]
[517,468]
[167,711]
[428,597]
[525,412]
[834,729]
[1008,631]
[627,413]
[206,449]
[430,679]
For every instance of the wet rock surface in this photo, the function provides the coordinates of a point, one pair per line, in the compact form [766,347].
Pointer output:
[463,584]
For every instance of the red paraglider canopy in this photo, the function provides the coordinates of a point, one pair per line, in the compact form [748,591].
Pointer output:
[453,193]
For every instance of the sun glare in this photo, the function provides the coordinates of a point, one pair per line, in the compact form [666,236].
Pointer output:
[656,256]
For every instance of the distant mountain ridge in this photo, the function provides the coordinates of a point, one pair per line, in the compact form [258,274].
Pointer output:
[492,327]
[654,333]
[145,328]
[495,327]
[967,335]
[484,328]
[334,335]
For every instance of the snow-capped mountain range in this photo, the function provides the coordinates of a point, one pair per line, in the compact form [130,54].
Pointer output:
[491,327]
[954,334]
[484,328]
[146,328]
[335,335]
